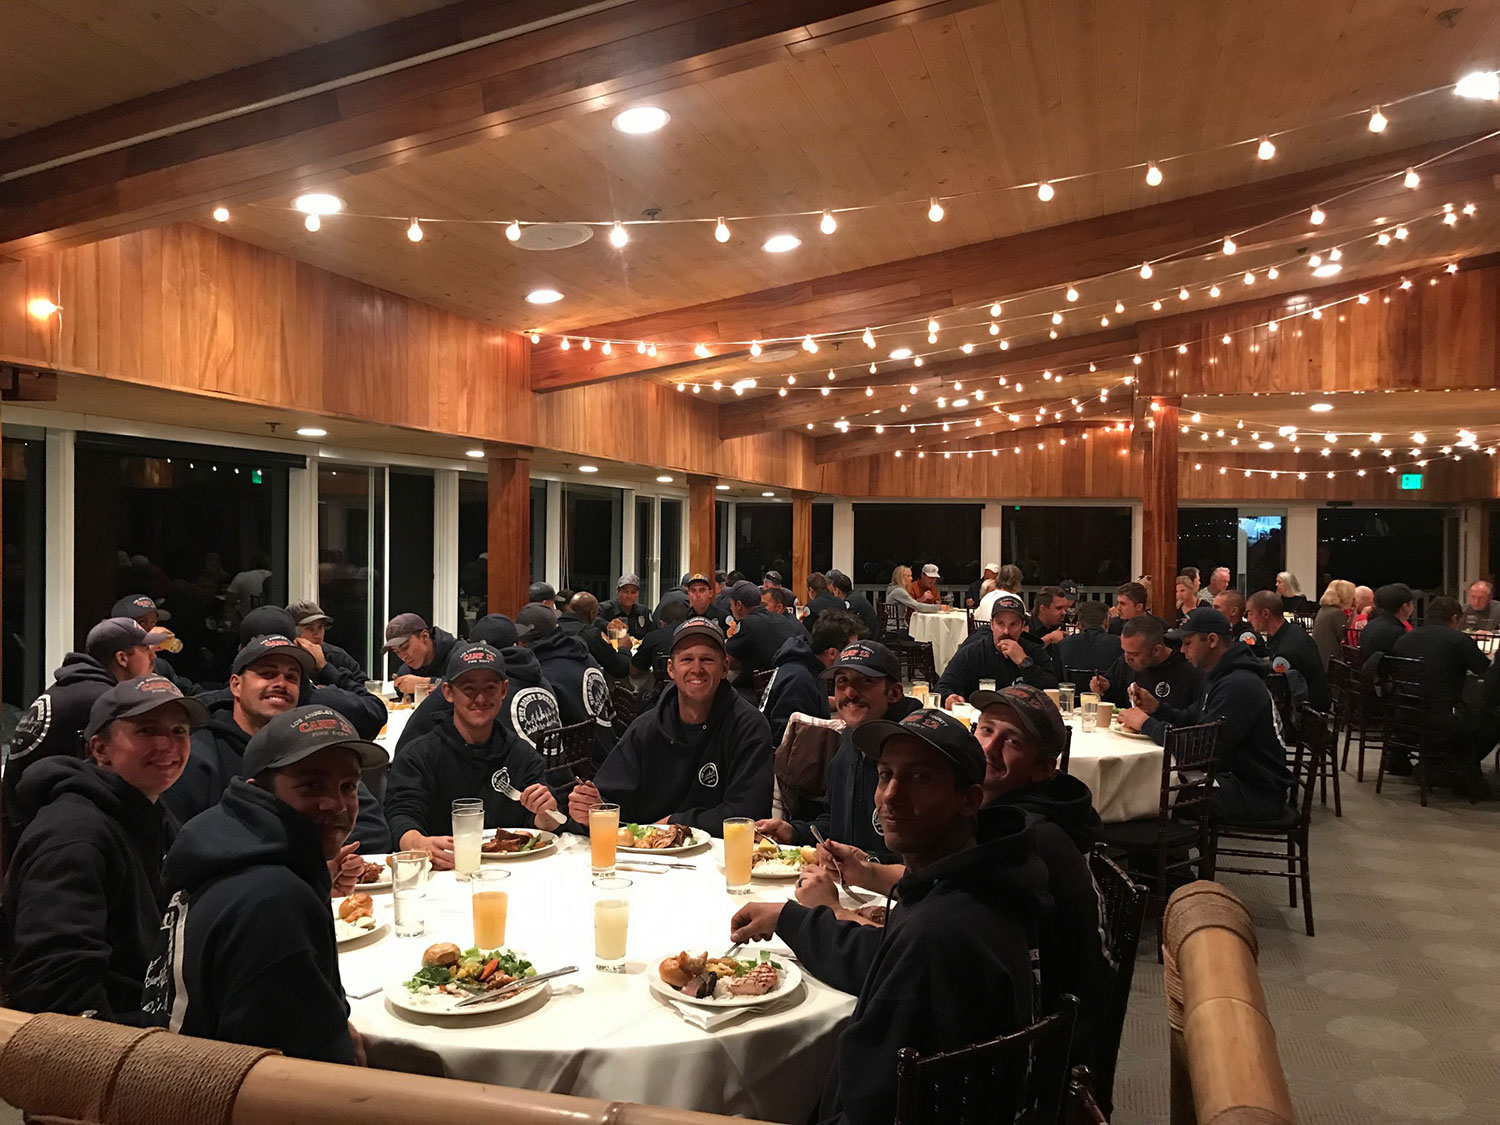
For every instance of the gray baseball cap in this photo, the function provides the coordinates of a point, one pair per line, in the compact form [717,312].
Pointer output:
[401,628]
[141,696]
[628,580]
[301,733]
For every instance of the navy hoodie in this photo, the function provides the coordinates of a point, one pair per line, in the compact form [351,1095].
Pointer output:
[442,648]
[579,685]
[246,951]
[1174,681]
[850,818]
[757,639]
[952,966]
[441,767]
[529,707]
[83,895]
[978,659]
[797,684]
[695,774]
[614,662]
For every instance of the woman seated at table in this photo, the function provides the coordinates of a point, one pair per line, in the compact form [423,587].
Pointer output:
[899,592]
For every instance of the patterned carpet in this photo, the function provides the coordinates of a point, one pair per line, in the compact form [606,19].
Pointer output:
[1391,1014]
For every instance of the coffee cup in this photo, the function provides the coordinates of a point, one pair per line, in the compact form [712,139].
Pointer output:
[1106,712]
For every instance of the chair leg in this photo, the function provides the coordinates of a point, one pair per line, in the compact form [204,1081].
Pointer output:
[1291,873]
[1306,886]
[1419,767]
[1338,800]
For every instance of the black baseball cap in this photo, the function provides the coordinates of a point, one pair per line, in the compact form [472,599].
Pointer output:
[401,628]
[116,634]
[694,578]
[868,658]
[137,606]
[273,645]
[773,577]
[140,696]
[938,729]
[475,656]
[1034,710]
[1204,619]
[301,733]
[1007,603]
[698,627]
[267,621]
[535,621]
[308,613]
[746,593]
[495,630]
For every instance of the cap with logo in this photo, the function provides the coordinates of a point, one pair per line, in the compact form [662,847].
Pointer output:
[401,628]
[930,571]
[475,657]
[274,645]
[696,579]
[628,580]
[1204,619]
[699,627]
[495,630]
[1007,603]
[137,606]
[1037,715]
[301,733]
[938,729]
[535,621]
[141,696]
[116,634]
[308,613]
[868,658]
[746,593]
[267,621]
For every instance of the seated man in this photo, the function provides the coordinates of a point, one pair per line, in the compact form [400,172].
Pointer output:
[1049,610]
[470,755]
[576,678]
[422,649]
[1449,656]
[778,600]
[976,590]
[1131,599]
[924,588]
[797,684]
[83,898]
[1253,779]
[626,606]
[1482,611]
[964,926]
[541,593]
[1218,582]
[820,599]
[1004,653]
[312,626]
[1149,663]
[757,635]
[581,619]
[702,754]
[1388,621]
[246,952]
[1290,650]
[842,586]
[1093,648]
[658,642]
[148,615]
[1008,581]
[1232,604]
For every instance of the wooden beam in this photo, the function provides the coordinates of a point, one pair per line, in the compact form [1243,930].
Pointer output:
[1159,501]
[509,527]
[364,102]
[703,539]
[801,540]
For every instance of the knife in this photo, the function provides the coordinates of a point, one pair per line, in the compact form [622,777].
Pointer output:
[514,986]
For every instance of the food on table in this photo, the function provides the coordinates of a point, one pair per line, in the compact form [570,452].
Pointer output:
[505,842]
[677,971]
[470,972]
[372,873]
[701,977]
[655,836]
[769,858]
[356,906]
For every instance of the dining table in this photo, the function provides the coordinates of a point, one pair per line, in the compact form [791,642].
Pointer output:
[945,630]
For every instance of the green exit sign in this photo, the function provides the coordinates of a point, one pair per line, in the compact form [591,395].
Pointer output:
[1410,482]
[256,477]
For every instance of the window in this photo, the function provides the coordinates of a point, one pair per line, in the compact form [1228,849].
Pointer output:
[473,549]
[763,541]
[1376,546]
[591,539]
[670,543]
[822,538]
[538,530]
[411,542]
[1264,536]
[351,559]
[722,532]
[891,535]
[1051,543]
[645,556]
[24,571]
[1208,538]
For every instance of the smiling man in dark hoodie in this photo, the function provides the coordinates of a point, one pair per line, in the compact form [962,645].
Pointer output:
[798,683]
[953,965]
[246,952]
[702,754]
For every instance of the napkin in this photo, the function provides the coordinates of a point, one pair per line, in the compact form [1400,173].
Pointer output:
[709,1019]
[360,979]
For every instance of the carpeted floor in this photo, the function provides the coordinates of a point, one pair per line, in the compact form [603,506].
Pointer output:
[1391,1013]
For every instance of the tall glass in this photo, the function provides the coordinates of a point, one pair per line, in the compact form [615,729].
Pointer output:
[611,923]
[919,689]
[491,903]
[739,842]
[1065,699]
[1090,709]
[409,890]
[604,832]
[468,835]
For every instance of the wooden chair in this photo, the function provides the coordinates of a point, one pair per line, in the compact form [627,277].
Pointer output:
[1283,842]
[1019,1077]
[1407,728]
[918,662]
[567,754]
[763,681]
[1067,750]
[1365,729]
[1123,906]
[1080,1107]
[1286,713]
[627,705]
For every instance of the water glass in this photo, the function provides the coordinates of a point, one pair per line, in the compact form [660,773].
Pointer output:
[409,890]
[491,904]
[468,836]
[1090,713]
[604,833]
[611,923]
[1065,700]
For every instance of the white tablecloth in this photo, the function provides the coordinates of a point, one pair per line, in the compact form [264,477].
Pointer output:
[1124,773]
[395,723]
[946,630]
[603,1035]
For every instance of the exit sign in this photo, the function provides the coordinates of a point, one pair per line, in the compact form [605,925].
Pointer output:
[1410,482]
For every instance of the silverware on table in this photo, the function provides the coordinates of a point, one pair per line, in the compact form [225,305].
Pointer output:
[514,986]
[515,795]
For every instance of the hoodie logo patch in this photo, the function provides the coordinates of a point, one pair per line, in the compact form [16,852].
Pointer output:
[708,776]
[32,730]
[1162,689]
[1248,637]
[532,710]
[1281,664]
[875,823]
[500,779]
[596,697]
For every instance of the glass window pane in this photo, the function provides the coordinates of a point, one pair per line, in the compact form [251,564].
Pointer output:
[473,549]
[670,543]
[822,537]
[591,539]
[1265,551]
[1208,538]
[644,549]
[351,552]
[411,542]
[1051,543]
[1376,546]
[538,531]
[763,541]
[23,506]
[890,535]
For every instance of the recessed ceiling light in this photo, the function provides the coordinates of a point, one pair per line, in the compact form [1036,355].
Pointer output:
[473,453]
[318,203]
[664,479]
[781,243]
[768,494]
[311,431]
[588,468]
[641,119]
[1321,407]
[901,353]
[544,297]
[722,487]
[1327,269]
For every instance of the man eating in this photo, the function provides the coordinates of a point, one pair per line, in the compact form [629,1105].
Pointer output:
[1004,653]
[1149,663]
[422,649]
[626,607]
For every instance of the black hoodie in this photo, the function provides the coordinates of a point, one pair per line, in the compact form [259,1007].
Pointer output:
[637,618]
[696,775]
[796,685]
[579,685]
[952,966]
[1174,681]
[529,707]
[344,661]
[1093,650]
[83,896]
[850,792]
[246,951]
[614,662]
[756,641]
[440,767]
[442,648]
[1291,650]
[978,659]
[1235,691]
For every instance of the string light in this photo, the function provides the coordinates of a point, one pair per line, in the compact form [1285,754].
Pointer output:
[1266,149]
[221,214]
[721,230]
[828,224]
[1071,294]
[1146,271]
[414,232]
[618,236]
[755,348]
[1249,277]
[1044,192]
[869,338]
[1378,121]
[313,223]
[513,232]
[699,350]
[1317,217]
[1229,245]
[1411,178]
[1153,175]
[935,211]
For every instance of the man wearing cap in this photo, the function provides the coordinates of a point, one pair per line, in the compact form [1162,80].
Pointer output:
[677,593]
[842,586]
[797,680]
[963,926]
[148,615]
[702,754]
[581,619]
[976,588]
[770,579]
[422,649]
[471,755]
[626,606]
[1290,650]
[246,952]
[924,587]
[312,628]
[83,896]
[576,678]
[1253,779]
[756,635]
[541,593]
[1005,653]
[820,599]
[1146,661]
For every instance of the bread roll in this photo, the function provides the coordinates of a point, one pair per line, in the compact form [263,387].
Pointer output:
[443,953]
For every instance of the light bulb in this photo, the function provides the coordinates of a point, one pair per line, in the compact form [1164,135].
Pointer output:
[312,223]
[1104,322]
[40,308]
[1411,179]
[513,231]
[1401,233]
[1265,150]
[587,344]
[755,347]
[721,230]
[1153,175]
[935,211]
[1004,344]
[1119,306]
[829,224]
[617,236]
[1213,290]
[1071,294]
[1378,121]
[1315,261]
[1450,219]
[536,338]
[1317,217]
[994,329]
[1469,208]
[651,349]
[566,344]
[221,214]
[1156,306]
[1057,318]
[869,338]
[640,347]
[1483,85]
[1335,254]
[414,232]
[809,344]
[607,348]
[1229,245]
[1182,294]
[1273,273]
[995,308]
[932,327]
[1146,270]
[1044,192]
[698,350]
[1249,277]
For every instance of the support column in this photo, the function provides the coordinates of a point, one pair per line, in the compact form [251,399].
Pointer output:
[509,526]
[445,549]
[1302,546]
[1159,499]
[57,618]
[991,535]
[703,538]
[302,533]
[801,541]
[843,536]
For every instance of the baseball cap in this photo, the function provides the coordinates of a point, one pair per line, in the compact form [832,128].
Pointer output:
[1037,715]
[698,627]
[746,593]
[1204,619]
[930,571]
[992,568]
[267,621]
[696,578]
[115,634]
[535,621]
[628,580]
[138,605]
[938,729]
[308,613]
[1007,602]
[401,628]
[137,697]
[495,630]
[472,656]
[273,645]
[301,733]
[773,577]
[868,658]
[1069,589]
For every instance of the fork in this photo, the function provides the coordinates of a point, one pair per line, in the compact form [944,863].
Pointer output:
[515,795]
[820,838]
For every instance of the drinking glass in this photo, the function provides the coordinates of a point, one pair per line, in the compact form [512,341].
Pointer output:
[739,841]
[1090,713]
[604,831]
[409,890]
[491,904]
[1065,694]
[919,691]
[986,685]
[468,835]
[611,923]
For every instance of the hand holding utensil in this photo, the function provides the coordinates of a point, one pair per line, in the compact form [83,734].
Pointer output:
[515,795]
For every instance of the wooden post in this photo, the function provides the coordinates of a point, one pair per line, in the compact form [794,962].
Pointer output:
[801,542]
[703,539]
[1159,499]
[509,538]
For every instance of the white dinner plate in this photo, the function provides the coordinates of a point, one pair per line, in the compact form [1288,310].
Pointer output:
[547,846]
[445,1004]
[1128,733]
[381,884]
[791,978]
[775,870]
[700,838]
[350,935]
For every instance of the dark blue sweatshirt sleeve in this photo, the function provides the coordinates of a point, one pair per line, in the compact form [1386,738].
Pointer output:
[961,676]
[747,790]
[406,793]
[363,710]
[59,955]
[370,829]
[202,783]
[800,693]
[618,779]
[838,953]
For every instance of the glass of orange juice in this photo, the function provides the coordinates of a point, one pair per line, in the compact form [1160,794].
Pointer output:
[491,904]
[739,842]
[604,830]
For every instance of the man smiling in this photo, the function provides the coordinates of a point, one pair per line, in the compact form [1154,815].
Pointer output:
[1005,653]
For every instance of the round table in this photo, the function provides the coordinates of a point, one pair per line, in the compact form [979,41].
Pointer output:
[1124,773]
[604,1035]
[946,630]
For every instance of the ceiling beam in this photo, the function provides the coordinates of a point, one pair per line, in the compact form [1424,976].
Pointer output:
[451,77]
[997,269]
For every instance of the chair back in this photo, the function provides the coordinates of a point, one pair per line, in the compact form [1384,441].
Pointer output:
[1018,1077]
[1122,905]
[1067,750]
[1404,703]
[567,753]
[627,705]
[763,681]
[1081,1107]
[1304,619]
[1286,713]
[1189,762]
[893,617]
[918,661]
[1314,744]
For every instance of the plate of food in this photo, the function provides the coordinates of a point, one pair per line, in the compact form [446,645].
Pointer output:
[662,839]
[1117,728]
[354,920]
[771,861]
[449,975]
[516,843]
[377,873]
[725,982]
